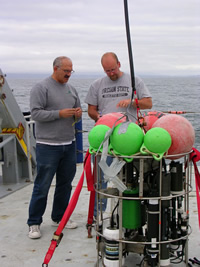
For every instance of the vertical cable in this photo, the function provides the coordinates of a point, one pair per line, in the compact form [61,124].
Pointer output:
[129,47]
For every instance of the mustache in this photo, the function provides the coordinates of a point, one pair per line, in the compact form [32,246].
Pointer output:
[67,76]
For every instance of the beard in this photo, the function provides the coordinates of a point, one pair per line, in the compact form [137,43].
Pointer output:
[114,77]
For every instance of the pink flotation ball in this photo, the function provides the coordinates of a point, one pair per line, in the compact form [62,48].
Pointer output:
[150,118]
[111,118]
[181,131]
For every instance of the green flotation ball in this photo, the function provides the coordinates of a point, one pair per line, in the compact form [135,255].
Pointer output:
[157,141]
[96,137]
[126,139]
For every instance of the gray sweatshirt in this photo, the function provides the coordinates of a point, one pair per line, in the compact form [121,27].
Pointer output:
[46,99]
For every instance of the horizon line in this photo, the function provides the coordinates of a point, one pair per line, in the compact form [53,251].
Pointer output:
[91,74]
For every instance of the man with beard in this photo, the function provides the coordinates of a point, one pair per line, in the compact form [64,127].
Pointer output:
[112,93]
[55,107]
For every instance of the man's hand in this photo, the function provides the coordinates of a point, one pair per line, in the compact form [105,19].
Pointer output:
[124,103]
[69,112]
[78,112]
[144,103]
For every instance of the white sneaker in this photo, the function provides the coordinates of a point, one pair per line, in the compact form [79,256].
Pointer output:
[34,231]
[70,224]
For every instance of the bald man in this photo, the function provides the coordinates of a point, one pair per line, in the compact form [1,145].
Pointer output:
[113,93]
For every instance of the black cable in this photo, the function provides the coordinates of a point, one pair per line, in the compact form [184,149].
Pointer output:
[112,223]
[142,261]
[129,47]
[164,165]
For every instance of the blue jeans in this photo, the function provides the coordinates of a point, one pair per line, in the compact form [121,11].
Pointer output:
[103,185]
[51,160]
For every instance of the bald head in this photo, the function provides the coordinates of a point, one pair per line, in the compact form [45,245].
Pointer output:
[109,56]
[111,65]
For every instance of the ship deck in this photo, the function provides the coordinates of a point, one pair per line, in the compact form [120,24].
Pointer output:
[75,249]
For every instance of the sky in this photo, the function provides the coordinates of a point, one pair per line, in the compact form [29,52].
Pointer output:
[165,35]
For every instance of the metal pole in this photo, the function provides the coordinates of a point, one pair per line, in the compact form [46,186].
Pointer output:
[7,140]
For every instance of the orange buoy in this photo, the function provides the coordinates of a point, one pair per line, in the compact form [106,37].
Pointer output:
[111,118]
[149,118]
[181,131]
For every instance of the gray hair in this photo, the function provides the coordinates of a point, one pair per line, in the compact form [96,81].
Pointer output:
[58,61]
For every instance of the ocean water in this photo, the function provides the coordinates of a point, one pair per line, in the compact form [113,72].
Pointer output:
[168,93]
